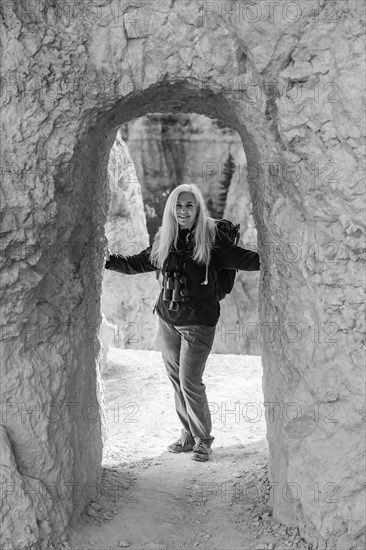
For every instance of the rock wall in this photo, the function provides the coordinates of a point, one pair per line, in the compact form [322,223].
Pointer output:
[172,149]
[127,302]
[288,78]
[239,329]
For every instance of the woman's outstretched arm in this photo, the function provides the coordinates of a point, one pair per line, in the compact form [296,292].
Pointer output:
[231,256]
[130,265]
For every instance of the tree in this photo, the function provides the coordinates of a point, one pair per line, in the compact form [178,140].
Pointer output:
[224,184]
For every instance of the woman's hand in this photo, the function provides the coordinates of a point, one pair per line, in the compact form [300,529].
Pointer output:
[104,245]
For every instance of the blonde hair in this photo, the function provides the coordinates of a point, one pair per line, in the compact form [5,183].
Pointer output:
[204,228]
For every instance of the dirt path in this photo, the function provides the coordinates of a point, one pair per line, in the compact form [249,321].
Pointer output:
[152,499]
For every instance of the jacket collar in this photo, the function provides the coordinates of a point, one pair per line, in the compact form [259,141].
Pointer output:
[185,240]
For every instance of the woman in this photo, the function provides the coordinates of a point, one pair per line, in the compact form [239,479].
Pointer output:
[189,250]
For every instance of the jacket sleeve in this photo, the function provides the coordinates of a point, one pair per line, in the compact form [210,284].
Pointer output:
[231,256]
[131,265]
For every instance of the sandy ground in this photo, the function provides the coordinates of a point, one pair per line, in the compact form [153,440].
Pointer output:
[152,499]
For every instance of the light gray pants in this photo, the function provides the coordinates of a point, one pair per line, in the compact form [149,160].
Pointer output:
[185,352]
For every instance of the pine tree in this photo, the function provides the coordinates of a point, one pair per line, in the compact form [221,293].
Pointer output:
[210,207]
[227,174]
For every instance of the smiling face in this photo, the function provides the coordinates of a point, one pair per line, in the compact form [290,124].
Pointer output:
[186,210]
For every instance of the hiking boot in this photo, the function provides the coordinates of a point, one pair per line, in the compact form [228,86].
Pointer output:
[201,451]
[184,444]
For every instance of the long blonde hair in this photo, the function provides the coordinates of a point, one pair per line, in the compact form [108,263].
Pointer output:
[204,228]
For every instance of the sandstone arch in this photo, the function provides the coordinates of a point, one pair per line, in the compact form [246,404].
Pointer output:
[70,82]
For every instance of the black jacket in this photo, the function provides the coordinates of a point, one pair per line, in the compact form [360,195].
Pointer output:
[203,307]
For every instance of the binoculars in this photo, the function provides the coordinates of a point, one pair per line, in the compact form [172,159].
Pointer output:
[174,287]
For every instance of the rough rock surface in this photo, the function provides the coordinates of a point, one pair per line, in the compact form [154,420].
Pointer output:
[127,302]
[239,329]
[288,78]
[18,526]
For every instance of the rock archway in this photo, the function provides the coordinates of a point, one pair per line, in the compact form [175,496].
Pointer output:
[71,79]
